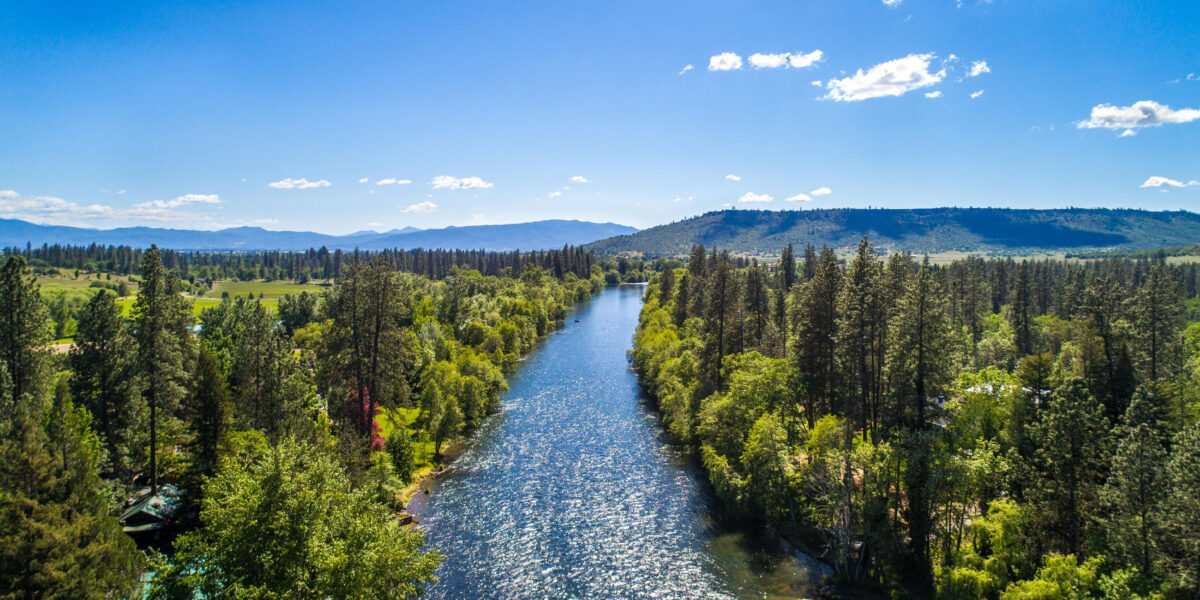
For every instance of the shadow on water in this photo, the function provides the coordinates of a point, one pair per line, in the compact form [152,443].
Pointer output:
[573,491]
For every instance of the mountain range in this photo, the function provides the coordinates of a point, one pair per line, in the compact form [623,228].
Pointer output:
[539,235]
[979,230]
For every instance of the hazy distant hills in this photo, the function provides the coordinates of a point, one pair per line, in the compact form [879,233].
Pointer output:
[537,235]
[983,230]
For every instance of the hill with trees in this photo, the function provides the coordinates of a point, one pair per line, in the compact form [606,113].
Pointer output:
[981,230]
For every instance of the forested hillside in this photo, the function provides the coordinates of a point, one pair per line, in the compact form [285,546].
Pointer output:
[990,429]
[978,230]
[265,452]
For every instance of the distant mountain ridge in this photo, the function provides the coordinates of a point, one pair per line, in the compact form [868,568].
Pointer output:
[981,230]
[537,235]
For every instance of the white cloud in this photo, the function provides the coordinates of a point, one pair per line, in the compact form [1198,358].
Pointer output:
[818,83]
[1127,133]
[446,182]
[726,61]
[752,197]
[555,194]
[1157,182]
[978,68]
[975,95]
[733,177]
[1193,77]
[891,3]
[785,59]
[799,198]
[892,78]
[579,179]
[1145,113]
[178,201]
[420,207]
[298,184]
[821,191]
[1193,183]
[363,180]
[56,211]
[935,94]
[393,181]
[686,69]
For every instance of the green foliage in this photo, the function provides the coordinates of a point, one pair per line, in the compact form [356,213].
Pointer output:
[290,526]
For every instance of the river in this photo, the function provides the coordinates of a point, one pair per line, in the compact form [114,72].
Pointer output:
[573,491]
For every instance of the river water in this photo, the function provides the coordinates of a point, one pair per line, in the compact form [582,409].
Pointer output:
[573,491]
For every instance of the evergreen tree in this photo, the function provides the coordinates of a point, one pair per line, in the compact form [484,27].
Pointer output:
[207,411]
[161,326]
[1020,311]
[57,539]
[104,379]
[1072,448]
[1157,312]
[23,331]
[364,348]
[787,267]
[815,326]
[860,316]
[1180,517]
[918,369]
[1131,496]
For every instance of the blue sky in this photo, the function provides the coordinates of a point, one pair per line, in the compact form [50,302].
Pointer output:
[184,115]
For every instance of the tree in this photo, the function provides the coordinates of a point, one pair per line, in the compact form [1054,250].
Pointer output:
[296,311]
[859,330]
[161,327]
[364,346]
[1019,312]
[1131,496]
[57,539]
[403,454]
[1180,540]
[1072,443]
[23,331]
[1157,311]
[208,413]
[815,326]
[918,368]
[290,526]
[104,379]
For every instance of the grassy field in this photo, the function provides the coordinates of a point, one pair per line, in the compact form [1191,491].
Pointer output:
[78,291]
[269,290]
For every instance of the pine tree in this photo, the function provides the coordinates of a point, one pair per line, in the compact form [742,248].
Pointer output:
[1020,311]
[207,411]
[859,329]
[815,326]
[1131,496]
[1180,517]
[364,347]
[1157,312]
[787,267]
[104,379]
[918,370]
[1072,441]
[23,331]
[161,327]
[57,539]
[757,304]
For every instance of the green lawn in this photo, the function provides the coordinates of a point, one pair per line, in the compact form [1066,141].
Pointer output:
[270,290]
